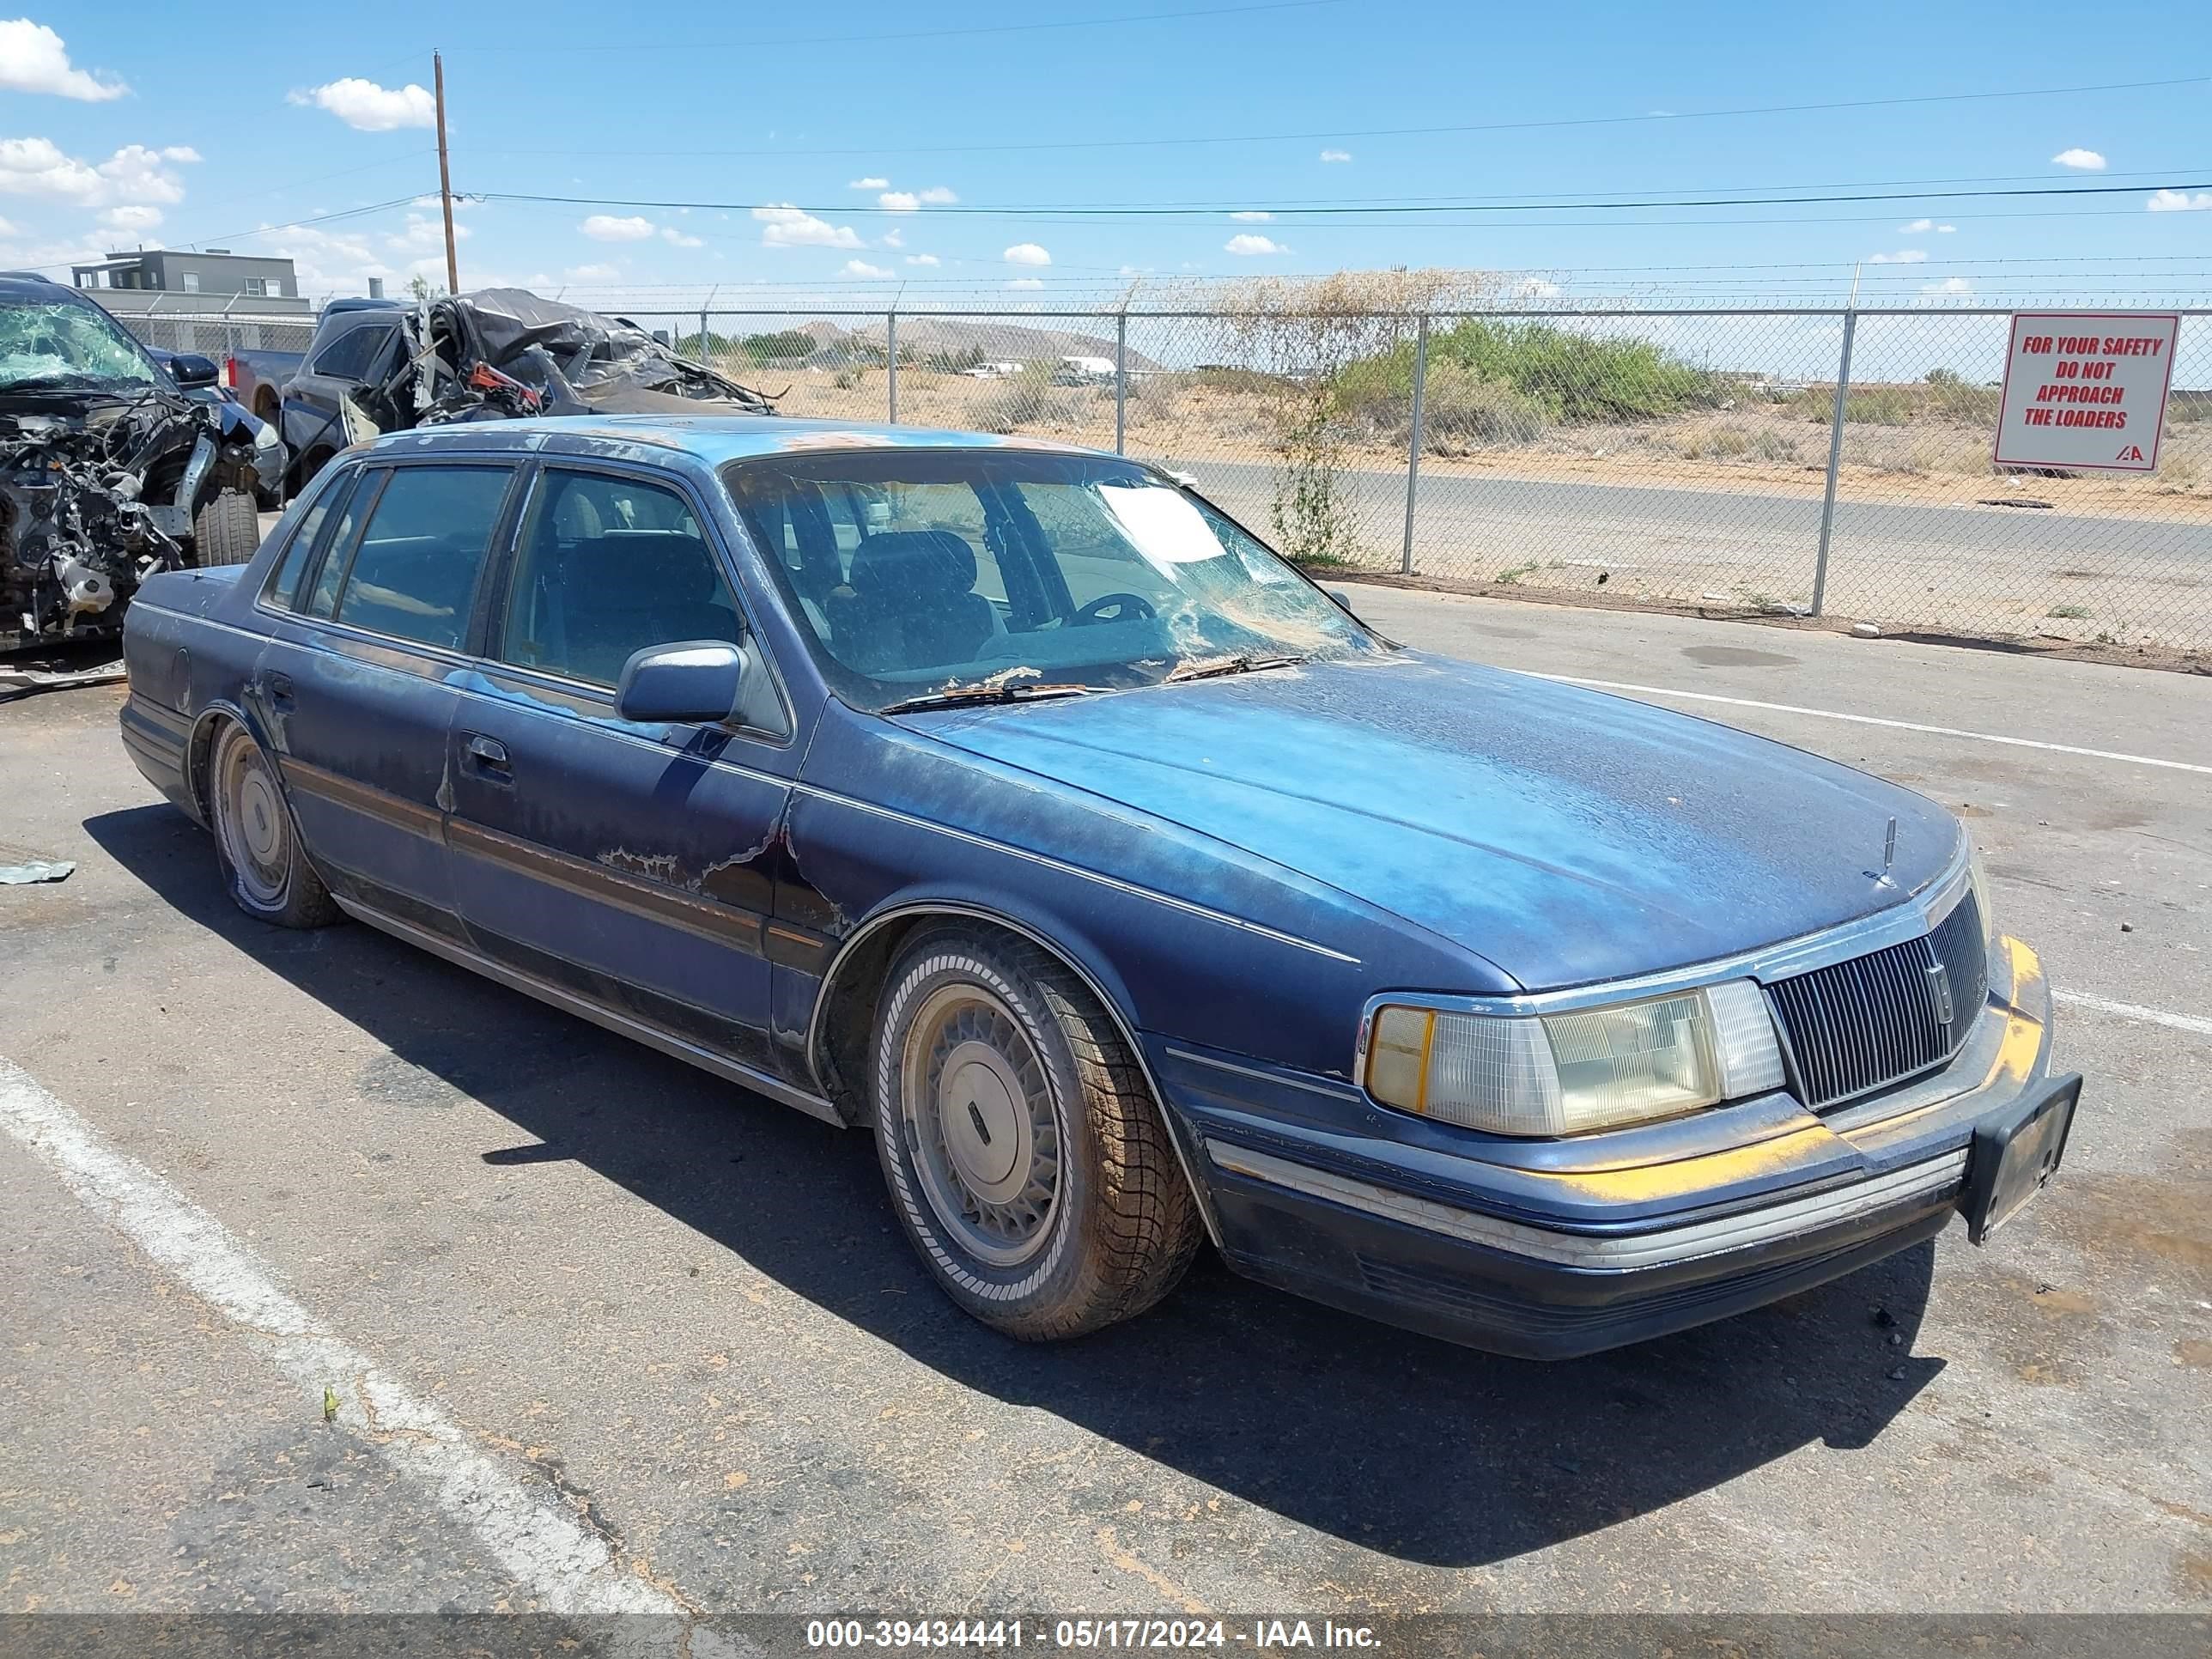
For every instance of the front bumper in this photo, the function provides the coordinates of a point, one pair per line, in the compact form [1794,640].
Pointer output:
[1574,1247]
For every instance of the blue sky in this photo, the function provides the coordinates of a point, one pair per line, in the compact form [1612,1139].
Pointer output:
[133,122]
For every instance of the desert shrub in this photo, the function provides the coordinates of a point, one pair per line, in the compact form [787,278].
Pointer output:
[1769,445]
[1029,400]
[1240,382]
[1576,377]
[1156,398]
[1459,408]
[789,345]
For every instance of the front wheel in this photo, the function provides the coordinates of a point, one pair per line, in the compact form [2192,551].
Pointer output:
[1024,1153]
[256,843]
[227,531]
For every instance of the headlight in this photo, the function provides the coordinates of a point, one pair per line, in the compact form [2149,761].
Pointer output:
[1595,1068]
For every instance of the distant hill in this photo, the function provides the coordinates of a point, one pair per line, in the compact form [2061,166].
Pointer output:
[922,335]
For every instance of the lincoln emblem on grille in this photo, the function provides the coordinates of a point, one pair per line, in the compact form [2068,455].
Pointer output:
[1939,988]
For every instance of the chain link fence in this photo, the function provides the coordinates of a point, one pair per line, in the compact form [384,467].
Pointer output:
[1666,456]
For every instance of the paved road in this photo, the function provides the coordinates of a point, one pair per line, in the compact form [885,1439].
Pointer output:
[680,1321]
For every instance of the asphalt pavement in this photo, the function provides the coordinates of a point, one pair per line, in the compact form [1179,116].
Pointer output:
[341,1279]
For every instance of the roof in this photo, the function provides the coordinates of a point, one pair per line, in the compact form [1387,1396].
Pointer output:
[715,439]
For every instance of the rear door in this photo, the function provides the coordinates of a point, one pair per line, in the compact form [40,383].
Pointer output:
[337,366]
[357,684]
[633,864]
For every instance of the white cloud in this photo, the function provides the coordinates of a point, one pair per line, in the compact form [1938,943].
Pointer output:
[894,238]
[675,238]
[135,217]
[606,227]
[2180,201]
[369,108]
[33,59]
[1954,286]
[1027,253]
[1336,155]
[1904,256]
[39,166]
[8,229]
[1026,282]
[937,196]
[869,184]
[921,259]
[1247,246]
[785,226]
[599,273]
[2086,161]
[1252,217]
[863,270]
[1922,227]
[421,233]
[1535,288]
[899,201]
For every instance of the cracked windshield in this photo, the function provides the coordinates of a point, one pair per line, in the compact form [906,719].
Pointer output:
[920,573]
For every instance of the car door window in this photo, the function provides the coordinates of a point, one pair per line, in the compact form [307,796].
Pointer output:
[337,547]
[348,357]
[415,572]
[285,582]
[607,566]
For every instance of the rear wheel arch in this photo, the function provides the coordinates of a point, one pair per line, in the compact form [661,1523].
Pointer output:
[841,1036]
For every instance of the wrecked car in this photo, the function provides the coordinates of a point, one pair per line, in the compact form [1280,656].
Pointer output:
[498,353]
[110,469]
[1014,803]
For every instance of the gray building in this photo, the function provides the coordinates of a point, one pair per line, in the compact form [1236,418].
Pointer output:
[167,279]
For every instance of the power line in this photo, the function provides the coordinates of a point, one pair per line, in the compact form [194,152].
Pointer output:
[1073,213]
[1406,132]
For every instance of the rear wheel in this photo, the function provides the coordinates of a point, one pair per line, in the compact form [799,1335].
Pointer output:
[1024,1151]
[228,530]
[257,845]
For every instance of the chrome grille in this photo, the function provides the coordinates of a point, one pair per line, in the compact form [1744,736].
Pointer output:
[1856,1025]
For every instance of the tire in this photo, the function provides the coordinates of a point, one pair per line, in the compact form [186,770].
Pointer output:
[227,531]
[1052,1205]
[256,844]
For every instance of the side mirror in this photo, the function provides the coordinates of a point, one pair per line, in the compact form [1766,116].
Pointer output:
[694,683]
[1343,600]
[189,369]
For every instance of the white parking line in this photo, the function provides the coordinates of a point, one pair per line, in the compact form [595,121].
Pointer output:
[1870,719]
[528,1529]
[2135,1010]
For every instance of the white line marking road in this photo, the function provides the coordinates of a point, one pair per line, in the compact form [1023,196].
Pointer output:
[2135,1010]
[1869,719]
[528,1529]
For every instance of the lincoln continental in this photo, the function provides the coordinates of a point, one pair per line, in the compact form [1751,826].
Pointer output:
[1016,804]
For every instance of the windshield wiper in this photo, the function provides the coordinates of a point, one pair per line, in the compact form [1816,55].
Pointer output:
[960,696]
[1216,667]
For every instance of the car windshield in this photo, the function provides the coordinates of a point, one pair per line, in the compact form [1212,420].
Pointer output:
[919,572]
[67,343]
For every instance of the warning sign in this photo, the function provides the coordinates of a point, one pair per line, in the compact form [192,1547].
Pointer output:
[2085,390]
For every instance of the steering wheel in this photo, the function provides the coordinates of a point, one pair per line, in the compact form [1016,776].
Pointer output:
[1116,607]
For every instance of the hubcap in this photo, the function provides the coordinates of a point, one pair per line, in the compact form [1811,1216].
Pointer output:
[256,834]
[980,1123]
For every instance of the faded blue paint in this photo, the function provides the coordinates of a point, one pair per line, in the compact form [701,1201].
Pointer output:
[1238,865]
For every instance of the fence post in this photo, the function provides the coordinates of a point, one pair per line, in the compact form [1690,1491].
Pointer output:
[890,356]
[1413,442]
[1835,458]
[1121,382]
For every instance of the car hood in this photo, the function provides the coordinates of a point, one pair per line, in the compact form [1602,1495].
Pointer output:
[1563,835]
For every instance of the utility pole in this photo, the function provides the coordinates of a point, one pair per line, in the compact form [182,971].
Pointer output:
[445,176]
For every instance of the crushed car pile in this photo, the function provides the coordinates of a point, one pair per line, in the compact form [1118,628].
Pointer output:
[504,353]
[109,471]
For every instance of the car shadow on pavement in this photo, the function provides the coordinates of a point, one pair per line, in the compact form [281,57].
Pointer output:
[1395,1442]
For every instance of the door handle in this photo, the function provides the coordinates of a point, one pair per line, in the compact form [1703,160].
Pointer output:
[488,756]
[278,687]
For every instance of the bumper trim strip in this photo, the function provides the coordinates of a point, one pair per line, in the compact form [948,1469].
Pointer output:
[1915,1183]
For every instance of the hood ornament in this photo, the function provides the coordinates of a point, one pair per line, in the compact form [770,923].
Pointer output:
[1881,878]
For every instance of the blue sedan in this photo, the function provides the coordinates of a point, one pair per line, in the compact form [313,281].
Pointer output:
[1013,801]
